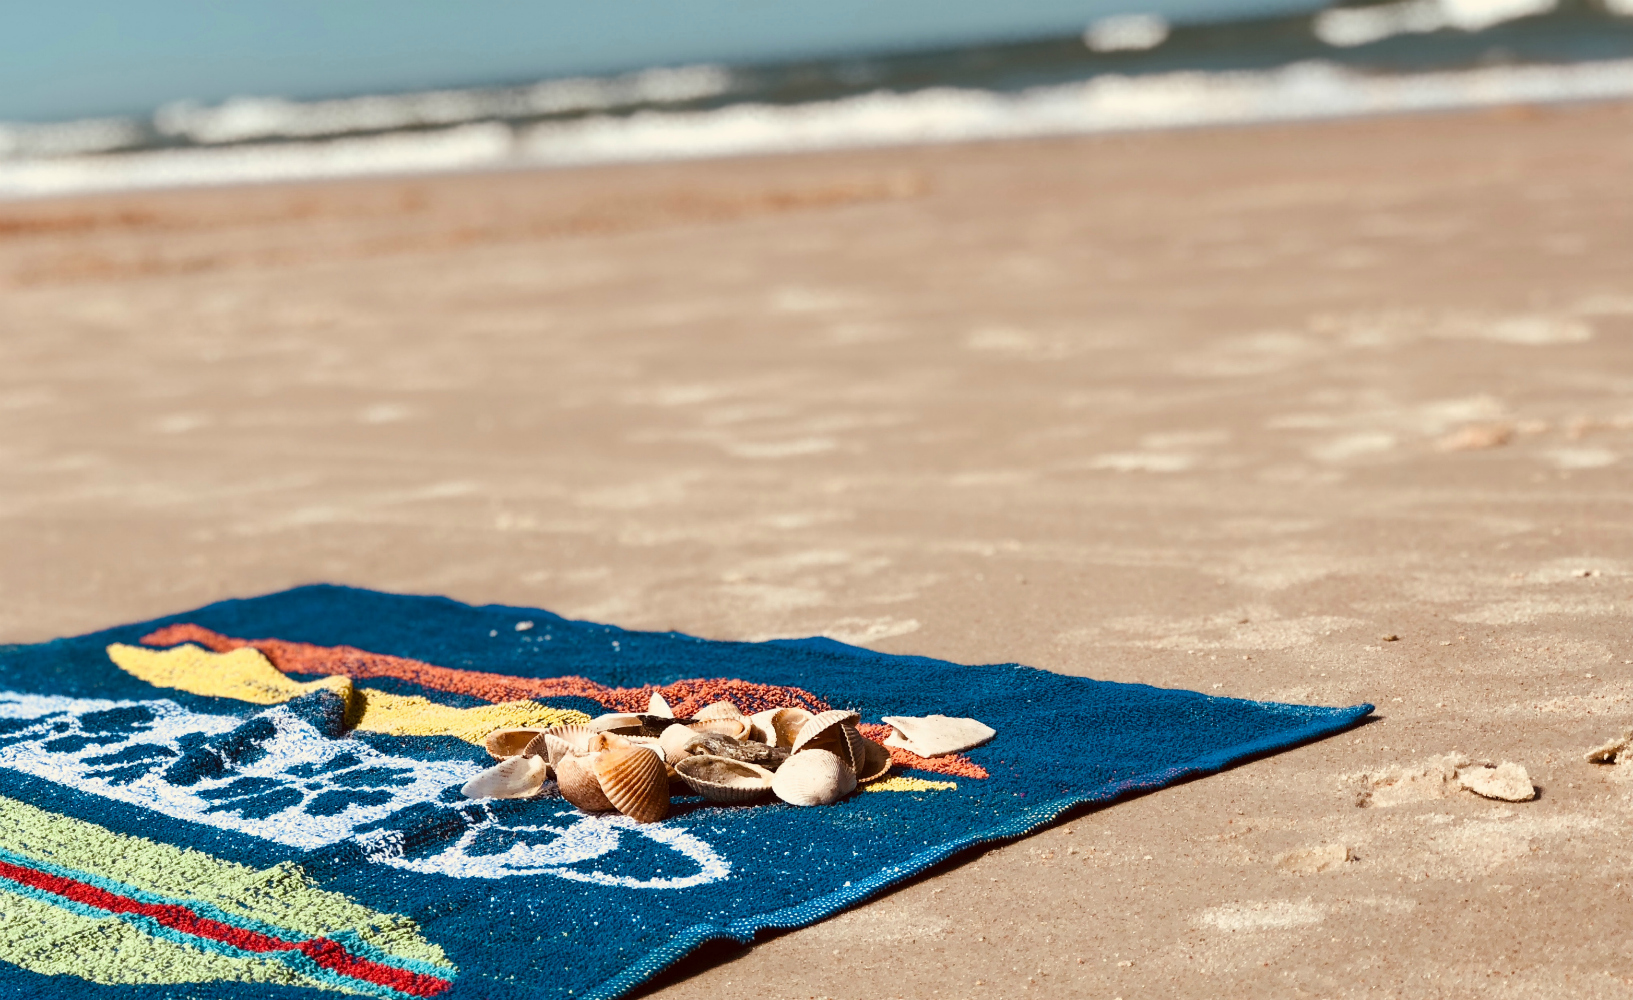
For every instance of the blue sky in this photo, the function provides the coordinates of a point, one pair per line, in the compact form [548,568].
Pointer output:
[73,58]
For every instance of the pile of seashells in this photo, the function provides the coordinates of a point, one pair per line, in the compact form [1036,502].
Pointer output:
[632,762]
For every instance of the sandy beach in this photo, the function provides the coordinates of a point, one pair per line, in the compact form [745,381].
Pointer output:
[1327,413]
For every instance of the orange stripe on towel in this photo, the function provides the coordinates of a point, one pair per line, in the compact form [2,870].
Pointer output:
[685,697]
[954,763]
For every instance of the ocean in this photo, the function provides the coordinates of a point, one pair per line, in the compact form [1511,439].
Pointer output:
[1122,73]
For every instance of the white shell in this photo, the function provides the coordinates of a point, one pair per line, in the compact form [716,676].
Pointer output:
[721,779]
[502,743]
[614,720]
[820,723]
[676,740]
[719,710]
[576,735]
[813,778]
[935,735]
[511,778]
[777,727]
[736,728]
[657,706]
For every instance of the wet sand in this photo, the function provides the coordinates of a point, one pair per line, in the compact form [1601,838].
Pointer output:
[1215,409]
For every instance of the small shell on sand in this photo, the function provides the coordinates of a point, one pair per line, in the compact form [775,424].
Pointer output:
[512,778]
[936,735]
[720,779]
[634,780]
[657,706]
[813,778]
[576,779]
[1508,782]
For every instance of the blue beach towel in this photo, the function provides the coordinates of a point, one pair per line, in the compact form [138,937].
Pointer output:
[261,798]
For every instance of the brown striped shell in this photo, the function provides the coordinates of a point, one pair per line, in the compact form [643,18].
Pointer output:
[635,782]
[576,778]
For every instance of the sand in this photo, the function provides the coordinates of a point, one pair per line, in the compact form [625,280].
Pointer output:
[1217,409]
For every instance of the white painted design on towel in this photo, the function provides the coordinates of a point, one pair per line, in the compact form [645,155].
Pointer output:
[41,740]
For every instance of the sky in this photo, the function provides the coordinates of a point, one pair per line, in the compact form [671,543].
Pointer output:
[84,58]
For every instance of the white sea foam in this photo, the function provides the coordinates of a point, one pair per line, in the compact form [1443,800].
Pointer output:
[1126,33]
[1301,91]
[1346,27]
[247,118]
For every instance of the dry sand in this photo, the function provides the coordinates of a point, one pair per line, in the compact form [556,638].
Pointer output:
[1213,409]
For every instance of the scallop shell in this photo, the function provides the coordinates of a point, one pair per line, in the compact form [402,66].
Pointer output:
[635,782]
[721,779]
[576,779]
[736,728]
[614,721]
[875,762]
[813,778]
[657,706]
[676,741]
[551,747]
[609,741]
[514,777]
[817,725]
[502,743]
[576,736]
[719,710]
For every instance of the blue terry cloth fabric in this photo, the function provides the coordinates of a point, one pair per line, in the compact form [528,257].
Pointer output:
[528,899]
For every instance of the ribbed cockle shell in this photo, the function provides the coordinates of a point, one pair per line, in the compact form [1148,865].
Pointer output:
[819,727]
[813,778]
[575,777]
[719,710]
[720,779]
[512,778]
[635,782]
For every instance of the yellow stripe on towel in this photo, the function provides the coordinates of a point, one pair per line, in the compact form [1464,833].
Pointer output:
[246,675]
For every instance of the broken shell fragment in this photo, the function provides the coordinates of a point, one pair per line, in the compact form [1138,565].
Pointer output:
[818,726]
[657,706]
[635,782]
[813,778]
[576,779]
[936,735]
[502,743]
[514,777]
[720,779]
